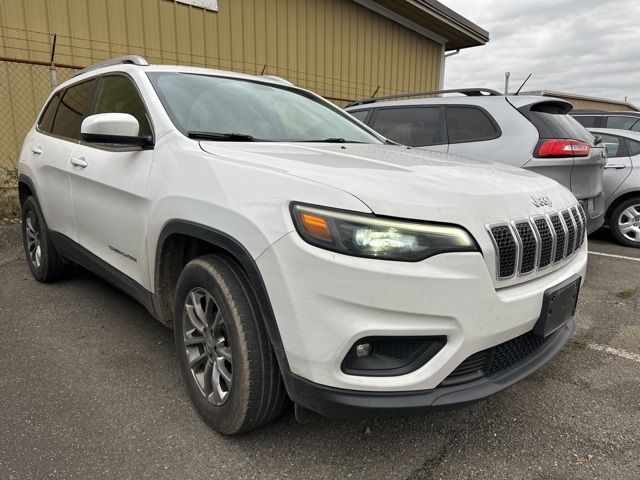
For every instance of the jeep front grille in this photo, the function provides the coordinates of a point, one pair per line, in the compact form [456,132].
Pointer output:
[530,244]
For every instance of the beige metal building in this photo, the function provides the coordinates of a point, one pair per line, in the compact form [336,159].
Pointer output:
[586,102]
[342,49]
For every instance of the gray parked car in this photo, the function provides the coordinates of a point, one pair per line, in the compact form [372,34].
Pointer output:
[599,119]
[622,184]
[531,132]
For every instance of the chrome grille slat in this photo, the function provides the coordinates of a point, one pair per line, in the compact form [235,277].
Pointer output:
[546,239]
[531,244]
[571,231]
[579,226]
[561,236]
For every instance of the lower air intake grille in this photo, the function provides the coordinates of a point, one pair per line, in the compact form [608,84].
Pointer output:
[495,360]
[509,354]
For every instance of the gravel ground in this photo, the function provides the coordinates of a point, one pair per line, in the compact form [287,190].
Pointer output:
[90,389]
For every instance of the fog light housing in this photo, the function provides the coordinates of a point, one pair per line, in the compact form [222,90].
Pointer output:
[363,350]
[389,356]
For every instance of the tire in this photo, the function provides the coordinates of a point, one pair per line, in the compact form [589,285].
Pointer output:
[45,263]
[228,365]
[627,214]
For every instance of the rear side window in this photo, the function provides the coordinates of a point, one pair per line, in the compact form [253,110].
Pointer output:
[470,124]
[360,114]
[624,123]
[72,110]
[413,126]
[552,121]
[46,119]
[633,147]
[586,121]
[117,94]
[614,144]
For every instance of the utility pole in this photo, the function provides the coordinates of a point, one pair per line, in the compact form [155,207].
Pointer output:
[506,82]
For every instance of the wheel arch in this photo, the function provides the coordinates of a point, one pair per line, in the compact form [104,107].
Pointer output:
[26,189]
[179,242]
[619,199]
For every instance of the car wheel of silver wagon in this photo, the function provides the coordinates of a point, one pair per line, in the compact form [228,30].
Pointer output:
[227,362]
[625,222]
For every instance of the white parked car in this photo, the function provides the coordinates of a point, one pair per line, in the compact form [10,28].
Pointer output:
[292,250]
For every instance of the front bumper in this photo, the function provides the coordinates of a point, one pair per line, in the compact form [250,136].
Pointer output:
[341,403]
[324,302]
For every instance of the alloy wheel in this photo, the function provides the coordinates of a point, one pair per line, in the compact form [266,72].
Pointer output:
[207,346]
[629,223]
[32,230]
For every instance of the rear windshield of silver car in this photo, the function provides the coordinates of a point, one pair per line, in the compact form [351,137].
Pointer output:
[553,121]
[237,109]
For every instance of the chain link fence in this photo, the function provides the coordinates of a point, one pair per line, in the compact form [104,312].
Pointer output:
[24,86]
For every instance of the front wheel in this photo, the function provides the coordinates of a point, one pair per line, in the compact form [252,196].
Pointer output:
[625,222]
[226,359]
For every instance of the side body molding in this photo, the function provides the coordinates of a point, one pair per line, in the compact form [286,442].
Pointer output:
[229,244]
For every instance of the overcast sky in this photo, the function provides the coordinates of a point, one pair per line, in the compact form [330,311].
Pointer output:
[583,46]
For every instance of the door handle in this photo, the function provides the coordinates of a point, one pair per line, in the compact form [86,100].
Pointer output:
[617,166]
[36,150]
[78,162]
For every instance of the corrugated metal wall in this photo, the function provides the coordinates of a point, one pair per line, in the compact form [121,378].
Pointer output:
[335,47]
[591,105]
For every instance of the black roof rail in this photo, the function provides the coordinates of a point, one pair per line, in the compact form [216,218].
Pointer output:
[126,59]
[469,92]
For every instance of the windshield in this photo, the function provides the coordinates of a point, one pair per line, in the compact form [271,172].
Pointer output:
[251,111]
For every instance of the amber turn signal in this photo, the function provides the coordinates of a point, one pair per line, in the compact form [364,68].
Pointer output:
[315,225]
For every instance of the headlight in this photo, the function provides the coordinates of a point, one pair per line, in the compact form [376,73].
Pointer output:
[365,235]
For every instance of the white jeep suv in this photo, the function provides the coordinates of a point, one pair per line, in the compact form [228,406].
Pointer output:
[292,249]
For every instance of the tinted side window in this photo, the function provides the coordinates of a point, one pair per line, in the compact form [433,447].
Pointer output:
[624,123]
[414,126]
[46,119]
[360,114]
[116,94]
[587,121]
[552,121]
[469,124]
[72,110]
[633,147]
[614,144]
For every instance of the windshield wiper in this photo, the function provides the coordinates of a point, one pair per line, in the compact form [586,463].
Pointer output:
[331,140]
[222,137]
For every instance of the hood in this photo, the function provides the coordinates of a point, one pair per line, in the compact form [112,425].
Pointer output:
[408,183]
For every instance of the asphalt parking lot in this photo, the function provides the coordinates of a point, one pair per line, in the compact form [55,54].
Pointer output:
[89,389]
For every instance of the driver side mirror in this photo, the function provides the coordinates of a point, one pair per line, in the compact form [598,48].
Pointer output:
[113,129]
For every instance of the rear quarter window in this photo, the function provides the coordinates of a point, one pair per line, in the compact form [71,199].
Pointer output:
[46,119]
[470,124]
[360,114]
[552,120]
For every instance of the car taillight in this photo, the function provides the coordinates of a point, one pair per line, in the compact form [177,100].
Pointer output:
[561,147]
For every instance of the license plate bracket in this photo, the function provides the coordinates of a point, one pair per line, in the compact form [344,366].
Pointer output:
[558,306]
